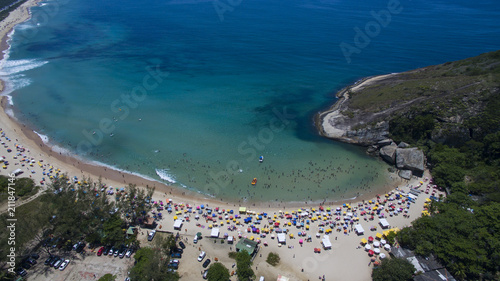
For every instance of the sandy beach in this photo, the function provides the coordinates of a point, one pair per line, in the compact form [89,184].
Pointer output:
[346,260]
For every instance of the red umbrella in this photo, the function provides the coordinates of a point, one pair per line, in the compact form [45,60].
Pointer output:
[370,239]
[370,253]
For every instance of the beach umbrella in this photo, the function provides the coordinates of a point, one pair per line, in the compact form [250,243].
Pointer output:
[301,241]
[364,241]
[175,217]
[368,247]
[387,247]
[383,242]
[370,239]
[370,253]
[376,244]
[382,256]
[377,251]
[373,259]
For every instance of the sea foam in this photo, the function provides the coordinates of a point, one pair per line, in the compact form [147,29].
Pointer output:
[164,175]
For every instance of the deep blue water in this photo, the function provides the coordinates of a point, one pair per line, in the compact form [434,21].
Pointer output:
[195,91]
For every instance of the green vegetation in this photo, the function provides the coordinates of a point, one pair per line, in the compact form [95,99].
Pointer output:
[7,3]
[108,277]
[456,121]
[394,269]
[243,264]
[218,272]
[24,188]
[152,263]
[273,259]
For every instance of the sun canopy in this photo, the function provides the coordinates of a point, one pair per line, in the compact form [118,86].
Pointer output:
[359,229]
[326,242]
[384,223]
[281,238]
[215,232]
[364,241]
[177,224]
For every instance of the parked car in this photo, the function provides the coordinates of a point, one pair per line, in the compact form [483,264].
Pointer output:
[205,274]
[111,251]
[79,249]
[25,265]
[63,265]
[176,255]
[58,263]
[49,260]
[206,263]
[177,250]
[35,256]
[106,250]
[116,252]
[151,235]
[31,260]
[182,245]
[128,254]
[54,261]
[100,251]
[21,272]
[122,252]
[201,256]
[195,239]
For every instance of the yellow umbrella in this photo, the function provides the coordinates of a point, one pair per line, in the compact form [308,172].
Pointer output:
[307,227]
[175,217]
[291,235]
[364,241]
[251,237]
[378,235]
[289,223]
[209,226]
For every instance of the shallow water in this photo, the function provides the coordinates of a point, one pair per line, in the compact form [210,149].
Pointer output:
[169,90]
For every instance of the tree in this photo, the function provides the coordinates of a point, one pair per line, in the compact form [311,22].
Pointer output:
[395,269]
[218,272]
[273,259]
[108,277]
[244,263]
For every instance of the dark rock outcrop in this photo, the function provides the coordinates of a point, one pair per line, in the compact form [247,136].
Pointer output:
[388,153]
[410,159]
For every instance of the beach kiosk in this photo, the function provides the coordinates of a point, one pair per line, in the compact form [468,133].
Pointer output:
[326,242]
[359,229]
[215,232]
[384,224]
[178,224]
[281,238]
[230,240]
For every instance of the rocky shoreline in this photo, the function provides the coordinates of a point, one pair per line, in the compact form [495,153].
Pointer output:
[337,124]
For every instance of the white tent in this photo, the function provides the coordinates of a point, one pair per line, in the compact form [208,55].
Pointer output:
[368,247]
[178,224]
[326,242]
[215,232]
[281,238]
[376,244]
[230,239]
[359,229]
[384,223]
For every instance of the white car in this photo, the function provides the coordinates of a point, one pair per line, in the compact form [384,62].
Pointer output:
[201,256]
[63,265]
[128,254]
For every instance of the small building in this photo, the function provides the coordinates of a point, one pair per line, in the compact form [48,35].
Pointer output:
[384,224]
[246,245]
[131,231]
[281,238]
[230,239]
[215,232]
[243,210]
[326,242]
[149,222]
[359,229]
[178,224]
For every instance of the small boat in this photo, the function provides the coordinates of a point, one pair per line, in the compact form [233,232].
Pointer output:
[261,159]
[254,181]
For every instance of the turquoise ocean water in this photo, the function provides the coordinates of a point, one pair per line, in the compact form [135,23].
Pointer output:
[193,92]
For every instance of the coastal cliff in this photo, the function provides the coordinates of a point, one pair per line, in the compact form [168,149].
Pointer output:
[446,104]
